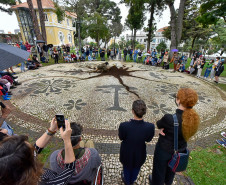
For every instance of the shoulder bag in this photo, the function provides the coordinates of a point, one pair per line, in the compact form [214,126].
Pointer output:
[179,161]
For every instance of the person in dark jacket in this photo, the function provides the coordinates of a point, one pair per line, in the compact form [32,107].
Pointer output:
[133,135]
[219,70]
[125,51]
[188,120]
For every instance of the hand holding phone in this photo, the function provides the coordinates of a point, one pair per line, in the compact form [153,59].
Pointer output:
[60,121]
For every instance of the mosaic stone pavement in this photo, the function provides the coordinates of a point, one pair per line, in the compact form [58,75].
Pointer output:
[100,104]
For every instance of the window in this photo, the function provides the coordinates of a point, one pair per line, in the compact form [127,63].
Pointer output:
[45,17]
[61,37]
[68,22]
[69,38]
[140,40]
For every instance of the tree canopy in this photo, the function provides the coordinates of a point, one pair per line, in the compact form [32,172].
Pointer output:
[7,2]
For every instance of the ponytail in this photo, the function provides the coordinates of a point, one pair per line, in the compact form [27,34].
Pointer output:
[188,98]
[190,123]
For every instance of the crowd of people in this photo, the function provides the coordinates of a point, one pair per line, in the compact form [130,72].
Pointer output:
[78,161]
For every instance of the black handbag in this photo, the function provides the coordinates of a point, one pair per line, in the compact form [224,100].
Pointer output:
[179,161]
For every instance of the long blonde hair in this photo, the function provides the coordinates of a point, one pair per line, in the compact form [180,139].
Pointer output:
[188,98]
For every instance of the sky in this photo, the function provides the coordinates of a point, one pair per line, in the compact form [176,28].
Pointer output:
[9,22]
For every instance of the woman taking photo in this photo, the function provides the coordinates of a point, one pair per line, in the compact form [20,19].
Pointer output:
[188,119]
[19,165]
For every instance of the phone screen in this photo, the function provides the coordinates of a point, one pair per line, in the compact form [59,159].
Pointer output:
[60,121]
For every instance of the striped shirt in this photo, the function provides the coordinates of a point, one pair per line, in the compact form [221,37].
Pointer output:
[52,178]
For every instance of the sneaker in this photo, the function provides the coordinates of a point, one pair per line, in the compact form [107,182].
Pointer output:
[216,82]
[221,143]
[224,140]
[223,134]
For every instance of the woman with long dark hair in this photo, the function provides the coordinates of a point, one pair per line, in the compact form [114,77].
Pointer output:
[19,165]
[188,119]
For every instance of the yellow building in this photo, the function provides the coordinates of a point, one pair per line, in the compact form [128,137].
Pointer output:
[57,33]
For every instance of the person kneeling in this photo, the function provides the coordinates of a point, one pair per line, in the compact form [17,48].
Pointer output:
[88,159]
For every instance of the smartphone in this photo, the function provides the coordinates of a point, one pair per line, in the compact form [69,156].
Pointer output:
[60,121]
[2,105]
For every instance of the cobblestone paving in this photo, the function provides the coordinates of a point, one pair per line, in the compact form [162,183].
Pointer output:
[101,103]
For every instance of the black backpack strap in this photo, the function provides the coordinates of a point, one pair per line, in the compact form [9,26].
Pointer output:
[176,125]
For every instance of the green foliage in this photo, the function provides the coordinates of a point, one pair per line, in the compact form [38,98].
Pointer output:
[140,46]
[136,18]
[218,42]
[59,12]
[206,166]
[129,43]
[7,2]
[92,44]
[161,46]
[114,46]
[96,27]
[211,11]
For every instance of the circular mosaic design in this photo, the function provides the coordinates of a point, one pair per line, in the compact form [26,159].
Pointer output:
[104,101]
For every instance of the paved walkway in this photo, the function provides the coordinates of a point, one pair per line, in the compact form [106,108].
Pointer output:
[101,102]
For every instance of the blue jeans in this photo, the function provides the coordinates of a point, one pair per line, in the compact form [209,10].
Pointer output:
[207,72]
[130,175]
[8,128]
[22,67]
[135,57]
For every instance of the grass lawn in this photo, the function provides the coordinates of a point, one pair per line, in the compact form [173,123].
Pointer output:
[206,167]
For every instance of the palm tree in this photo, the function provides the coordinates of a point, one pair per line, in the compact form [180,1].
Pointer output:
[42,19]
[34,20]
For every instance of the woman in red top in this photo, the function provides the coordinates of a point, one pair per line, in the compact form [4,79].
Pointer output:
[73,56]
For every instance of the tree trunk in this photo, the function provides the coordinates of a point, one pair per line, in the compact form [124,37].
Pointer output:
[180,18]
[173,28]
[34,20]
[42,20]
[134,38]
[150,26]
[192,45]
[79,35]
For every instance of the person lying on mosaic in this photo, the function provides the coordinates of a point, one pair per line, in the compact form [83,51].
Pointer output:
[88,159]
[102,67]
[19,165]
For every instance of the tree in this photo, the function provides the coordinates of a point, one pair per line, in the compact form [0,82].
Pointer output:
[42,20]
[135,18]
[211,11]
[78,7]
[140,46]
[176,22]
[155,6]
[34,20]
[192,29]
[219,40]
[97,28]
[116,29]
[7,2]
[161,46]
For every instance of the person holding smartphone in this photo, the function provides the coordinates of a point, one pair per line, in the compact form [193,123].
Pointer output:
[19,164]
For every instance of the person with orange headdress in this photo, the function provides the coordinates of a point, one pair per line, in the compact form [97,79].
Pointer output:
[188,119]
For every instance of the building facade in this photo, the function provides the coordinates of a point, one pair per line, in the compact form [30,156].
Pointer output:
[142,38]
[57,33]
